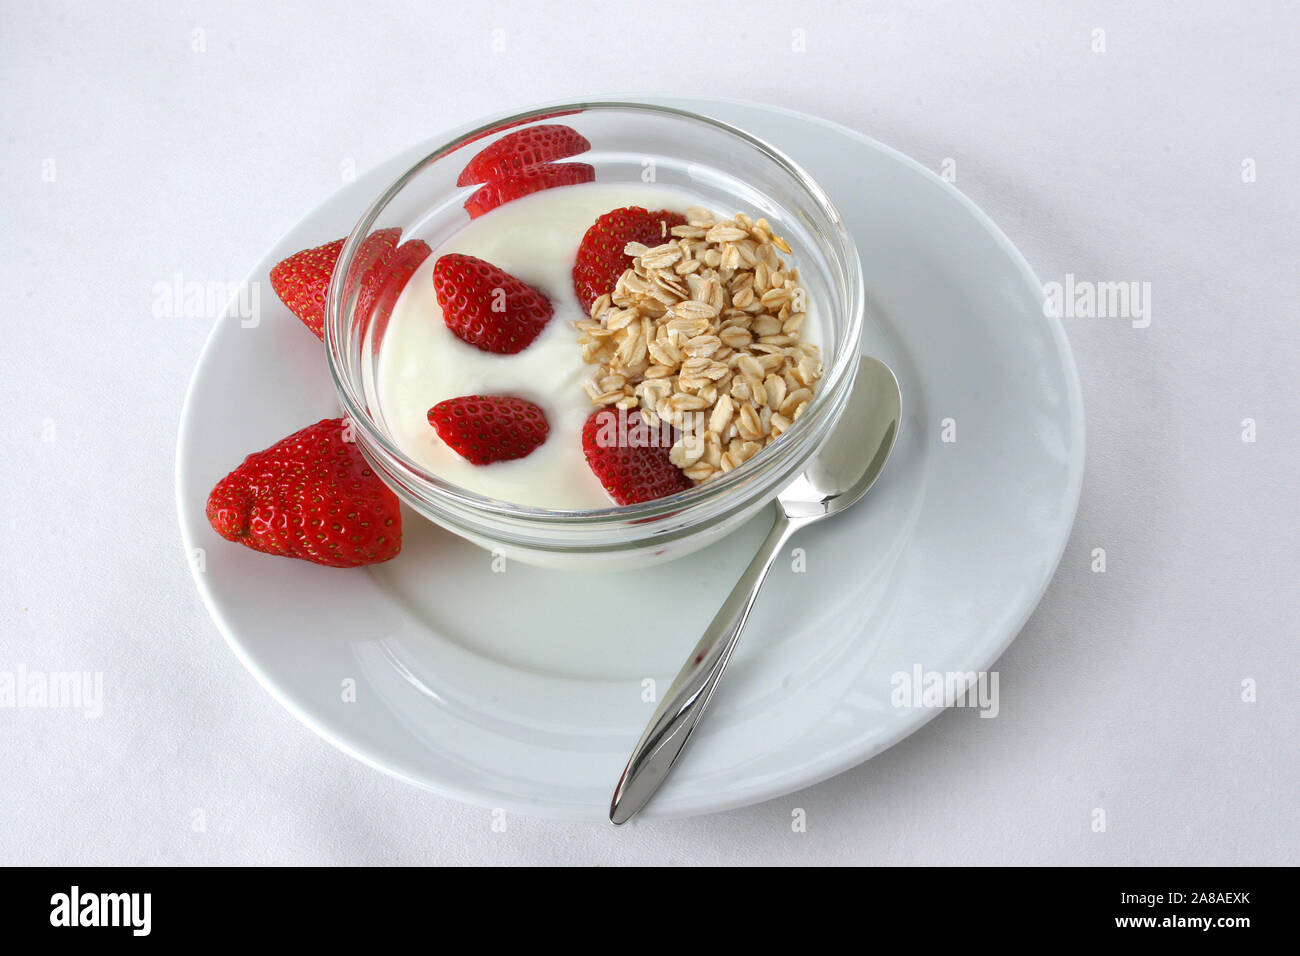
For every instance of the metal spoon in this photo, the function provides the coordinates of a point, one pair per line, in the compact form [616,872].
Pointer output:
[838,476]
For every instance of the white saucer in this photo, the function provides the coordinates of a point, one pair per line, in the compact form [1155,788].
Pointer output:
[523,689]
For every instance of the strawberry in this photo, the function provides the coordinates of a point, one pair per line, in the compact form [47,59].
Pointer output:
[601,259]
[523,122]
[487,428]
[525,147]
[384,282]
[302,280]
[529,179]
[310,496]
[630,458]
[488,307]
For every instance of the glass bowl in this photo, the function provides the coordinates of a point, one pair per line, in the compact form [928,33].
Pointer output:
[731,172]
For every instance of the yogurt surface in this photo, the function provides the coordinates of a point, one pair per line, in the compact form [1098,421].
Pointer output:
[421,362]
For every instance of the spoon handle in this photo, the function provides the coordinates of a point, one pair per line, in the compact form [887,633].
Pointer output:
[684,704]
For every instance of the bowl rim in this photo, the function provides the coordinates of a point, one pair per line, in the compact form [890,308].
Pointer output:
[835,382]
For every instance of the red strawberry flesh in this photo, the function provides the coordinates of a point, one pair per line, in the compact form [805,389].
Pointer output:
[310,496]
[384,282]
[601,260]
[486,306]
[302,280]
[525,181]
[484,429]
[630,458]
[525,147]
[523,122]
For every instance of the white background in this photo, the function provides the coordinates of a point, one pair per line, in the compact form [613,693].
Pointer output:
[1124,692]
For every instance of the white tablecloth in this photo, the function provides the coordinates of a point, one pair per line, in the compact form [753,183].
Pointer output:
[158,140]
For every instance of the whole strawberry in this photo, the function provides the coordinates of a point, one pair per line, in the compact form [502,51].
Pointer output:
[310,496]
[302,280]
[622,452]
[488,307]
[487,428]
[601,259]
[525,147]
[522,182]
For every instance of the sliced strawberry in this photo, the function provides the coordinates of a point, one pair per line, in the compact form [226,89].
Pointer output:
[601,259]
[523,122]
[530,179]
[525,147]
[630,458]
[302,280]
[487,428]
[488,307]
[385,281]
[310,496]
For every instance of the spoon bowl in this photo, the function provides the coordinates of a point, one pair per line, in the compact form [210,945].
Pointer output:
[855,453]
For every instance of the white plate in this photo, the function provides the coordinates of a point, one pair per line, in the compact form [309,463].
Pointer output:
[523,689]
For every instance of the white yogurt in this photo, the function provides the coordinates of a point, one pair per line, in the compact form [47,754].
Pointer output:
[421,362]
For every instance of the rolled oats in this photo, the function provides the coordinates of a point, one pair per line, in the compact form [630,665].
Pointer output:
[704,332]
